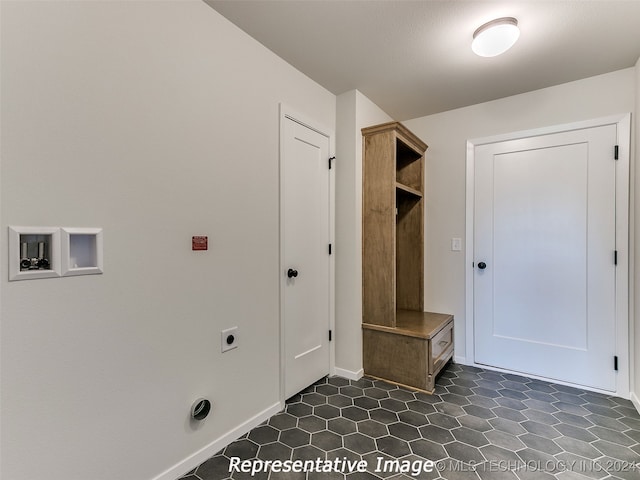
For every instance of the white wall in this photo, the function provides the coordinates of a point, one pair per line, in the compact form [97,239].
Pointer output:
[354,112]
[446,134]
[155,121]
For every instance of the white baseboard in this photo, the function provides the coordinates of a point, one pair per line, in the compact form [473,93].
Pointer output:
[635,400]
[214,447]
[460,360]
[349,374]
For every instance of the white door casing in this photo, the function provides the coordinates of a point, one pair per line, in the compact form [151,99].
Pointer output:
[306,265]
[549,209]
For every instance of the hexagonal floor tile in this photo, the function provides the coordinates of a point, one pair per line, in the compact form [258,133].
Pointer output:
[372,428]
[326,440]
[314,399]
[475,415]
[339,400]
[312,424]
[283,421]
[264,434]
[295,437]
[358,443]
[326,411]
[274,451]
[393,446]
[342,426]
[243,449]
[355,413]
[403,431]
[428,450]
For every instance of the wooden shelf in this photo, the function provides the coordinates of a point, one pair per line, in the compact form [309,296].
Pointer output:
[407,136]
[392,223]
[400,343]
[410,323]
[408,190]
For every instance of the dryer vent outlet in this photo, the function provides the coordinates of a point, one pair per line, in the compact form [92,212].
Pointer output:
[229,339]
[200,409]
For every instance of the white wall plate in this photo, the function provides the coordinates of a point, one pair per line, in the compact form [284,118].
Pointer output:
[229,339]
[81,251]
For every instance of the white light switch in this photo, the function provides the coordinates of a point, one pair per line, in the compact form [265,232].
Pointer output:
[456,244]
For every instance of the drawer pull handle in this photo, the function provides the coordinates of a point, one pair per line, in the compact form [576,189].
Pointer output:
[442,343]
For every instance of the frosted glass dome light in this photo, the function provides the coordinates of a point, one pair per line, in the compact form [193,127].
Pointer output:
[495,37]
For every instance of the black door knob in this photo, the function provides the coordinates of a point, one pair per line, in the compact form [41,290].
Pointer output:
[291,273]
[482,265]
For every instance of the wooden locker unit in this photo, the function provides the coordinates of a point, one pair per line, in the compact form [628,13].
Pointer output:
[397,334]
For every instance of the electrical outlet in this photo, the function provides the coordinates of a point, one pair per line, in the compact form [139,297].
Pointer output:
[229,339]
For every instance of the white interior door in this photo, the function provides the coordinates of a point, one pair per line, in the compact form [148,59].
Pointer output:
[544,248]
[305,197]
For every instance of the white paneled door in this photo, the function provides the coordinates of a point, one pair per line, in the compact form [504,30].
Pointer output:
[305,192]
[544,256]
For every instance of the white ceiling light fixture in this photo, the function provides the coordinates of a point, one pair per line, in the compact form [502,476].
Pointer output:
[495,37]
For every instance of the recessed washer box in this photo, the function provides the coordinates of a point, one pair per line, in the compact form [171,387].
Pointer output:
[34,252]
[81,251]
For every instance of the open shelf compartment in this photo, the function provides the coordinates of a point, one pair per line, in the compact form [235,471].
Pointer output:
[82,251]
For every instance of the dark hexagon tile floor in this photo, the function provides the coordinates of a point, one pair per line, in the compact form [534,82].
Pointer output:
[479,425]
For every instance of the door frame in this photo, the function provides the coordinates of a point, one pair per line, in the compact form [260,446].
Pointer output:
[624,331]
[287,113]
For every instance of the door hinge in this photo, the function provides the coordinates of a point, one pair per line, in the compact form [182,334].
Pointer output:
[330,159]
[329,249]
[329,335]
[615,257]
[615,152]
[615,363]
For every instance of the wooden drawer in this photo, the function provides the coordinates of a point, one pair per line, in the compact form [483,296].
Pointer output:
[413,352]
[441,343]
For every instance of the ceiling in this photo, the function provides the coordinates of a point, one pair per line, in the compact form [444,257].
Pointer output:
[414,58]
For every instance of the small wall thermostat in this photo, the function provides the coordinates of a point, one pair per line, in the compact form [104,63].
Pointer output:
[199,242]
